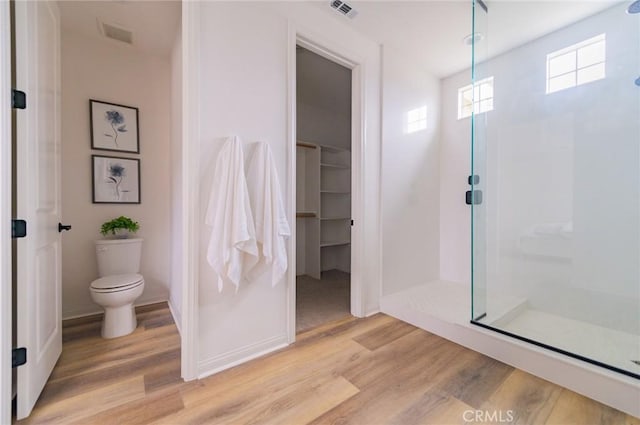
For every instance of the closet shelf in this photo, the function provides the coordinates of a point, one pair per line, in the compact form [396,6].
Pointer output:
[306,214]
[336,192]
[306,145]
[338,166]
[335,218]
[324,244]
[333,149]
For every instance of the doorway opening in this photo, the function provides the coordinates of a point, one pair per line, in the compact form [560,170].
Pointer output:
[323,190]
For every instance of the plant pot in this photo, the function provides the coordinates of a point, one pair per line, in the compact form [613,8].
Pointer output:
[121,234]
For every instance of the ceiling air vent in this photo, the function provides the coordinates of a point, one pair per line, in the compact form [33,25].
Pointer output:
[115,32]
[344,8]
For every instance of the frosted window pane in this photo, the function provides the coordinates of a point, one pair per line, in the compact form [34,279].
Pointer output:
[592,73]
[486,105]
[562,82]
[562,64]
[590,55]
[486,91]
[466,111]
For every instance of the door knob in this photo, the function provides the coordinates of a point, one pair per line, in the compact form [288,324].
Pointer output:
[62,227]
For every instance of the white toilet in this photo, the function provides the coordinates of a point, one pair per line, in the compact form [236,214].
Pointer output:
[119,284]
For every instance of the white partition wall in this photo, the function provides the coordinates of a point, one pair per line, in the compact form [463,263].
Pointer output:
[243,88]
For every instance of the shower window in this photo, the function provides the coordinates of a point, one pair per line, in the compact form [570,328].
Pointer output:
[475,98]
[578,64]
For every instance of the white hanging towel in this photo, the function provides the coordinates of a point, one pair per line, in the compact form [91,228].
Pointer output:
[232,248]
[272,227]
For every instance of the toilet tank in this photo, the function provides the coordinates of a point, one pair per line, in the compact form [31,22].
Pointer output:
[118,256]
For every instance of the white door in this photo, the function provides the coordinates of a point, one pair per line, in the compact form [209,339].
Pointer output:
[5,214]
[39,291]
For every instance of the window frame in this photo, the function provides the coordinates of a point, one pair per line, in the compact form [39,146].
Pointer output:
[575,70]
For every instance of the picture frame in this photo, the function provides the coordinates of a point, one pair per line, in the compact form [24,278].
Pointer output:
[114,127]
[115,180]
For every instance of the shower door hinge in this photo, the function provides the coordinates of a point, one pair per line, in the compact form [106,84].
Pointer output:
[18,229]
[352,222]
[18,357]
[473,197]
[18,99]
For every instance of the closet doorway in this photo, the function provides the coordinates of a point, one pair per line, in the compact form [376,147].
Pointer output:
[323,190]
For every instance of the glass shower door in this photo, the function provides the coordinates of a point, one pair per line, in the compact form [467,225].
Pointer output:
[476,196]
[556,235]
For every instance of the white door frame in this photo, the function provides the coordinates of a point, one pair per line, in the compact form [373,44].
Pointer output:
[338,54]
[190,189]
[5,214]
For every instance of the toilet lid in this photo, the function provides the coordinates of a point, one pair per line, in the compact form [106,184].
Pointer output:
[116,281]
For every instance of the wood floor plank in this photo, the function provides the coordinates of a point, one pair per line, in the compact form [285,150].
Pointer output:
[573,408]
[476,379]
[383,335]
[73,385]
[102,354]
[395,381]
[143,411]
[372,371]
[88,403]
[271,374]
[433,407]
[529,398]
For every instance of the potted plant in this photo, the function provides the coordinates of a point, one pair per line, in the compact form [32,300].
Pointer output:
[119,228]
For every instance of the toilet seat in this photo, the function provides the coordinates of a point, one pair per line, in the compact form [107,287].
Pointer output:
[117,283]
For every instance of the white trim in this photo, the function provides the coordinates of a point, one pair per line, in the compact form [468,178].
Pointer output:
[337,54]
[291,182]
[240,355]
[190,187]
[177,318]
[358,169]
[5,214]
[99,310]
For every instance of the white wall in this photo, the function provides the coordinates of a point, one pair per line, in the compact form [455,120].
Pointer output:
[566,156]
[175,289]
[455,167]
[244,92]
[93,68]
[410,175]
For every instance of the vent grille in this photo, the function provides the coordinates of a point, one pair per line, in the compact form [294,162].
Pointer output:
[344,8]
[115,33]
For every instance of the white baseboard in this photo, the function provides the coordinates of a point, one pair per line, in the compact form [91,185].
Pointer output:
[177,316]
[241,355]
[372,312]
[75,314]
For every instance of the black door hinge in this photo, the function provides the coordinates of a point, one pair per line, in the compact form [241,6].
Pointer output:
[18,99]
[18,229]
[473,197]
[18,357]
[352,222]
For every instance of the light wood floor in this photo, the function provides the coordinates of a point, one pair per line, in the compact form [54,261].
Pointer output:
[355,371]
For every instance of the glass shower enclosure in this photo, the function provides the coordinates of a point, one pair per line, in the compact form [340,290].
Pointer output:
[555,186]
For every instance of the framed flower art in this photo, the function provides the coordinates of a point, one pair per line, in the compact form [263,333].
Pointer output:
[114,127]
[115,180]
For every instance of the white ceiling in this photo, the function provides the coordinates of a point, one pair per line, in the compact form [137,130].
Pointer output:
[433,31]
[154,23]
